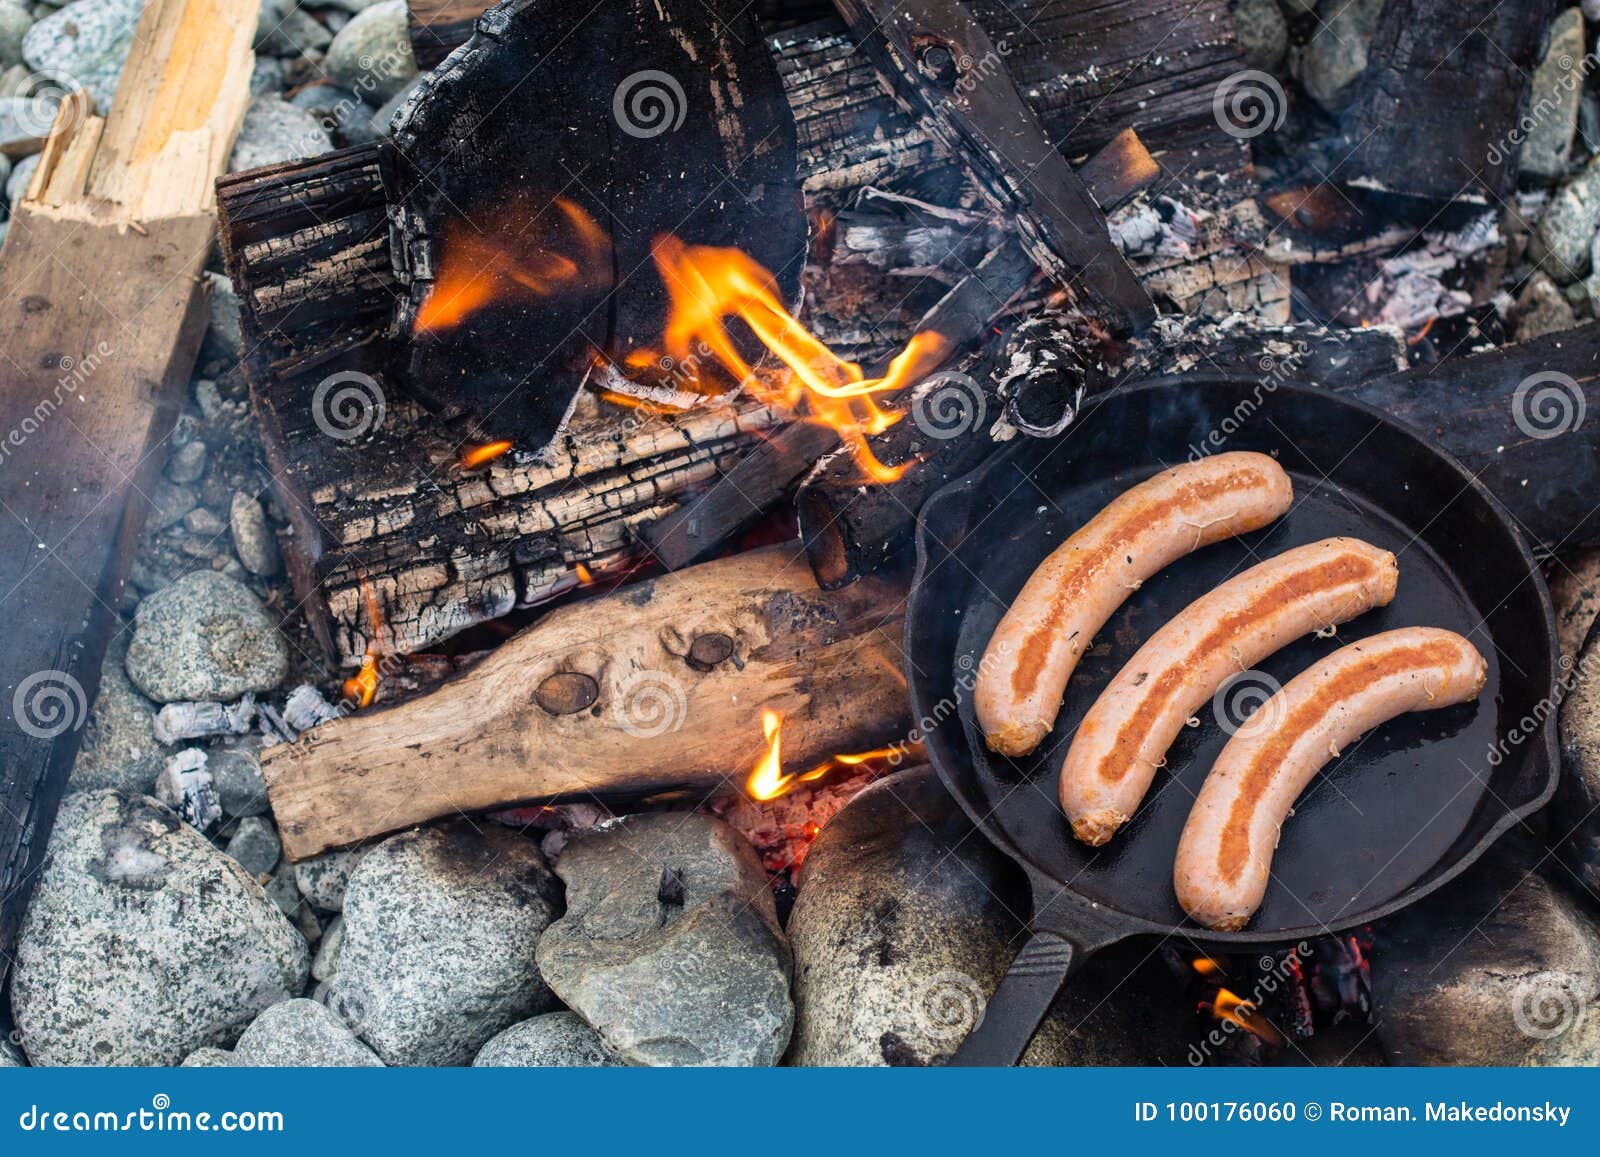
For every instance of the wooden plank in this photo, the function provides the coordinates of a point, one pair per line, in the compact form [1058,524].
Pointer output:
[102,311]
[656,711]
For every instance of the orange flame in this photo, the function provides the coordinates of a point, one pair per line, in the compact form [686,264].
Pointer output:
[362,687]
[768,782]
[504,258]
[482,455]
[707,285]
[584,575]
[1236,1010]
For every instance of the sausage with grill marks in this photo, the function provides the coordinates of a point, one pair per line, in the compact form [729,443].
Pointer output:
[1070,596]
[1225,854]
[1124,737]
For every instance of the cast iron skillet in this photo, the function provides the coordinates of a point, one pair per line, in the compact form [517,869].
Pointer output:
[1409,808]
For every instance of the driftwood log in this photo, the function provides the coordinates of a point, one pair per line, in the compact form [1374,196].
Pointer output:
[656,686]
[103,311]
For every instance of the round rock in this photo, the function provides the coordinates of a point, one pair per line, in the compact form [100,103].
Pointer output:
[1263,34]
[438,943]
[255,845]
[119,745]
[323,879]
[253,540]
[236,774]
[143,942]
[302,1034]
[84,46]
[670,947]
[274,131]
[205,637]
[371,56]
[555,1040]
[14,25]
[1553,97]
[1337,54]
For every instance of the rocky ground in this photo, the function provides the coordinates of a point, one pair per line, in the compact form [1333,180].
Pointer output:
[167,928]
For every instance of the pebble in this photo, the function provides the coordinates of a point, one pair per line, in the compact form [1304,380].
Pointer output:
[255,845]
[671,947]
[204,523]
[371,56]
[275,131]
[284,28]
[209,1058]
[17,182]
[119,746]
[14,24]
[301,1034]
[554,1040]
[188,462]
[143,942]
[205,637]
[326,962]
[437,952]
[267,76]
[241,788]
[1337,54]
[86,44]
[323,879]
[1263,35]
[253,540]
[1561,242]
[169,502]
[1552,103]
[1541,308]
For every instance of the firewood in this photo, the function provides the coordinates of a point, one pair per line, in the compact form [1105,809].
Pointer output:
[1452,75]
[102,307]
[622,695]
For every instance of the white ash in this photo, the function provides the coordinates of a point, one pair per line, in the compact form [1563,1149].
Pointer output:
[185,786]
[306,708]
[179,721]
[1164,229]
[1411,285]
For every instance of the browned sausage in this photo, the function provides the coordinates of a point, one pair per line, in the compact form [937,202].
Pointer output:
[1070,596]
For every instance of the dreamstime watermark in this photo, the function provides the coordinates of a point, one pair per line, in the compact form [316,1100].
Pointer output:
[1275,369]
[1248,704]
[1249,103]
[1534,720]
[947,1006]
[947,404]
[649,704]
[49,703]
[1549,104]
[1547,1005]
[648,103]
[362,93]
[1548,404]
[158,1117]
[1276,972]
[75,375]
[348,405]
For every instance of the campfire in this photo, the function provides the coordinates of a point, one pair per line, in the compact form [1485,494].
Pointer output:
[626,465]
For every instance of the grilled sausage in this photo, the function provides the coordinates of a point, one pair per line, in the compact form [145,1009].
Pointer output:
[1124,737]
[1225,853]
[1070,596]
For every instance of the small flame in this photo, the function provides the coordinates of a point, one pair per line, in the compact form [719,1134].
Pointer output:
[768,781]
[1236,1010]
[505,258]
[362,687]
[584,575]
[477,456]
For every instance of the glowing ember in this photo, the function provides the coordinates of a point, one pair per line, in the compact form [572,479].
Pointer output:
[584,576]
[362,687]
[477,456]
[527,251]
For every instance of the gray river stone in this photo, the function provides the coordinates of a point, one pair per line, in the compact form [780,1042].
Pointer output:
[1565,235]
[371,56]
[554,1040]
[670,946]
[143,942]
[119,747]
[1497,968]
[1553,96]
[205,638]
[322,880]
[906,920]
[274,131]
[84,46]
[302,1034]
[1337,54]
[437,952]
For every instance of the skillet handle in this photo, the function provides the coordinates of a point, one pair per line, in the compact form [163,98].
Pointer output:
[1020,1003]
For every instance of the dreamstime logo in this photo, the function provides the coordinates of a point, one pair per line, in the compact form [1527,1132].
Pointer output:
[1248,104]
[49,703]
[1246,704]
[348,405]
[948,404]
[649,103]
[1545,1006]
[1548,404]
[37,99]
[948,1006]
[651,703]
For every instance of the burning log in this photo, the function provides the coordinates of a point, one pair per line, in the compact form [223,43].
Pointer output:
[1454,75]
[103,308]
[624,694]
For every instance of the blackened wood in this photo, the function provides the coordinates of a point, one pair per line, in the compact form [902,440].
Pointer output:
[1438,109]
[438,27]
[943,65]
[651,117]
[1524,419]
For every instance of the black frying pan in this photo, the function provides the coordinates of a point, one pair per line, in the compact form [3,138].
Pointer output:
[1406,810]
